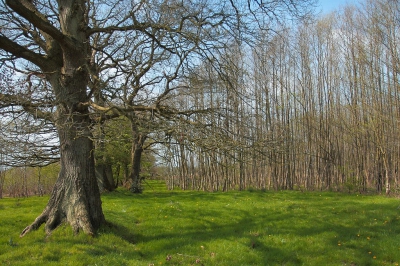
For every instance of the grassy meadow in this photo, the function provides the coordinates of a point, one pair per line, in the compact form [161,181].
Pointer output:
[161,227]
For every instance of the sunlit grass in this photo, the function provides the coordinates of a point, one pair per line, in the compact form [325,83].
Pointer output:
[163,227]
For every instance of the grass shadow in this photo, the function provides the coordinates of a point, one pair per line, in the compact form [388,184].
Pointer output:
[233,228]
[273,229]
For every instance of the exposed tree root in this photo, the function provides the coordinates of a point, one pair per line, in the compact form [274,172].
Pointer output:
[35,225]
[72,208]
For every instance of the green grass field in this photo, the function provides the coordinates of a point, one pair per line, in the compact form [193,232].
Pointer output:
[161,227]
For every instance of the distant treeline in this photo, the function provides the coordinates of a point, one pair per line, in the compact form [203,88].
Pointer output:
[312,107]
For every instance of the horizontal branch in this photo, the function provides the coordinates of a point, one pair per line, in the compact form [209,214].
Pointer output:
[8,100]
[21,52]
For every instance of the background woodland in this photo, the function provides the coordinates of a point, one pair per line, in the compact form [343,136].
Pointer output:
[314,106]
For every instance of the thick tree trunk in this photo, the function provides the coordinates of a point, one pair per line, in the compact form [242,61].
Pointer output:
[104,172]
[136,186]
[105,177]
[138,140]
[75,198]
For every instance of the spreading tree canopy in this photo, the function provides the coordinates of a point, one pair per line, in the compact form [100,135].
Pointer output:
[84,57]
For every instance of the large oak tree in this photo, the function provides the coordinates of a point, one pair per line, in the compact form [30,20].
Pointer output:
[59,47]
[80,47]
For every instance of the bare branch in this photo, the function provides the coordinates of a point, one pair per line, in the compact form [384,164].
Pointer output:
[22,52]
[26,9]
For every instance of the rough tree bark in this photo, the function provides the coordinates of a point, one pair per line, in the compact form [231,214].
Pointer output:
[75,198]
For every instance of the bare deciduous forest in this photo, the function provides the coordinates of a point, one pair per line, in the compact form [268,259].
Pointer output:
[310,106]
[315,107]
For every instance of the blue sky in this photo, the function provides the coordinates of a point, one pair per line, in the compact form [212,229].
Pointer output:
[327,6]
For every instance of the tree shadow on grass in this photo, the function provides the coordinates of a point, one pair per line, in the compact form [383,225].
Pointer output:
[119,230]
[238,231]
[263,234]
